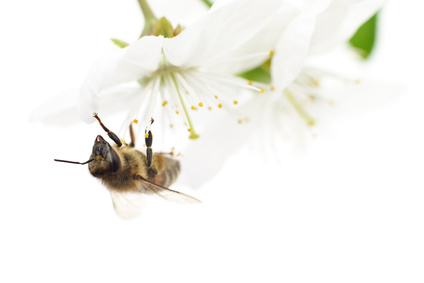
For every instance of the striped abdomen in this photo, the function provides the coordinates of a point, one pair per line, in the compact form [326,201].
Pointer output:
[168,170]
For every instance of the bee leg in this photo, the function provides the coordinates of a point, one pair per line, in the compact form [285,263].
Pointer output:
[148,137]
[149,151]
[111,134]
[132,144]
[137,177]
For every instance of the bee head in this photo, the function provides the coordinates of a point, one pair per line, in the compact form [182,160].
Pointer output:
[105,159]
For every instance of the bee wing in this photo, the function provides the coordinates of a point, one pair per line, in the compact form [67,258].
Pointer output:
[168,194]
[129,204]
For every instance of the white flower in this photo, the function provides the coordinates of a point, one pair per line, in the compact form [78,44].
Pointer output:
[283,113]
[180,74]
[300,94]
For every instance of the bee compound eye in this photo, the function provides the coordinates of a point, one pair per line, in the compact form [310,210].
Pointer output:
[116,162]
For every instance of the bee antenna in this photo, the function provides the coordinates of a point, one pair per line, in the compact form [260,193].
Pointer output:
[74,162]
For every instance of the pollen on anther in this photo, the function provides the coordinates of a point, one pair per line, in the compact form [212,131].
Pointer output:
[271,53]
[250,82]
[146,135]
[262,90]
[200,104]
[135,121]
[189,129]
[177,112]
[164,103]
[193,108]
[219,105]
[235,102]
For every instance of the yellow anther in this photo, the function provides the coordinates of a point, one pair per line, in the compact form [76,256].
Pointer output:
[209,108]
[271,53]
[135,121]
[193,108]
[239,121]
[164,103]
[189,129]
[250,83]
[146,135]
[262,90]
[216,96]
[171,126]
[235,102]
[200,104]
[177,112]
[219,105]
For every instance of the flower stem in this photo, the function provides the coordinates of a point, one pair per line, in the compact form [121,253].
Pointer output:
[208,3]
[296,105]
[149,18]
[193,134]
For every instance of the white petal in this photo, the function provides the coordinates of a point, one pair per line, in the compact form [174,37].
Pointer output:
[255,51]
[340,21]
[140,59]
[201,160]
[220,3]
[219,31]
[351,99]
[98,78]
[292,49]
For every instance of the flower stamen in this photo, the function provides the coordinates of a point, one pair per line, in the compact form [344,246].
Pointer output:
[193,135]
[299,109]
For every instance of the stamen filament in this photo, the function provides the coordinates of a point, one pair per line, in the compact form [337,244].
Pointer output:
[296,105]
[193,134]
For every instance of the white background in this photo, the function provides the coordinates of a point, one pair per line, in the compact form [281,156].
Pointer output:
[350,209]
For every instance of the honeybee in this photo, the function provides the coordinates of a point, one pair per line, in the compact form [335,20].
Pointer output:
[129,174]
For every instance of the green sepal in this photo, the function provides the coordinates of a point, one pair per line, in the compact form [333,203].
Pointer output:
[119,43]
[364,39]
[163,27]
[178,30]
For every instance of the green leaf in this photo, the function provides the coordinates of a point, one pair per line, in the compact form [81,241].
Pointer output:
[259,74]
[208,3]
[364,38]
[119,43]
